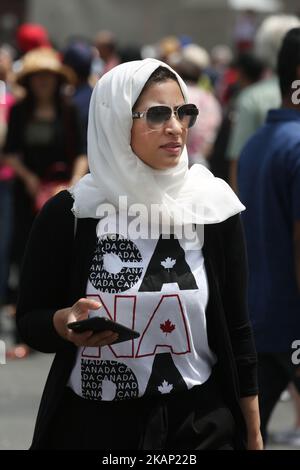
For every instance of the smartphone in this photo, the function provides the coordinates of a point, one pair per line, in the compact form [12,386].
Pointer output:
[98,324]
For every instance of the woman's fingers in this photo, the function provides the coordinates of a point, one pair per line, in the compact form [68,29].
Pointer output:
[103,338]
[79,311]
[82,306]
[79,339]
[93,340]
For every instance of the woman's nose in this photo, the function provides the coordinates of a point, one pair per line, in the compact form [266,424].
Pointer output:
[173,126]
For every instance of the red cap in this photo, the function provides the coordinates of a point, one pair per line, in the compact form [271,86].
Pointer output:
[30,36]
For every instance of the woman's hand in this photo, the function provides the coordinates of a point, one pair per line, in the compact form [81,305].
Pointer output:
[79,311]
[255,442]
[31,180]
[32,184]
[250,410]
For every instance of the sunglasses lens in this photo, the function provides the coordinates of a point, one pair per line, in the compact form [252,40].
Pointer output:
[187,114]
[158,115]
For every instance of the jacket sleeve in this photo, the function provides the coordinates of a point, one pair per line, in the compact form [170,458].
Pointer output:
[45,276]
[235,301]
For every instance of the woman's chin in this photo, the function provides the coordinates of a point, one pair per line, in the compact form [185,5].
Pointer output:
[169,162]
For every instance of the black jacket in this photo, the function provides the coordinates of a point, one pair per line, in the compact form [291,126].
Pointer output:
[54,276]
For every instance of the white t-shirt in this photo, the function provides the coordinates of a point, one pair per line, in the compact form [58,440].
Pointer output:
[159,288]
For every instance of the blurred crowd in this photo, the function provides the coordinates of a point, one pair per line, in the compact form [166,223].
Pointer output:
[44,119]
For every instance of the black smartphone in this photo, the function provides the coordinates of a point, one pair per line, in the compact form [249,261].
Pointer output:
[98,324]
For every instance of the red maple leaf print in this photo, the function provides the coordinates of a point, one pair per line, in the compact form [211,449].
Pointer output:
[167,327]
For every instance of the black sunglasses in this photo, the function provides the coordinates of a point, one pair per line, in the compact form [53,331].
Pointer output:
[157,116]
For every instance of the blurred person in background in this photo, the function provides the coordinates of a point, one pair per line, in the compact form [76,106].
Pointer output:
[168,46]
[190,65]
[129,53]
[269,185]
[254,102]
[291,435]
[244,31]
[28,36]
[249,70]
[6,172]
[106,45]
[221,73]
[79,57]
[43,146]
[31,36]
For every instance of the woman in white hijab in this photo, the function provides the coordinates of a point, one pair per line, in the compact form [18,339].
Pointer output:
[126,243]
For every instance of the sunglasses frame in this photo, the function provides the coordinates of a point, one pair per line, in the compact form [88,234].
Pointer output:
[174,112]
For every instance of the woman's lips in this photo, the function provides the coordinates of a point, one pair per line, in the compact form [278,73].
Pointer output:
[172,148]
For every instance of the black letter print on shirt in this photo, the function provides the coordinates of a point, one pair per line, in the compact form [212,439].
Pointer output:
[168,265]
[165,377]
[116,265]
[108,380]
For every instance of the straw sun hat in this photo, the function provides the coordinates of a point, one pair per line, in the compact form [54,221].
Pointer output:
[43,59]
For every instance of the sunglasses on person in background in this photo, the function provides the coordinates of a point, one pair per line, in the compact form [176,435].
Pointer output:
[157,116]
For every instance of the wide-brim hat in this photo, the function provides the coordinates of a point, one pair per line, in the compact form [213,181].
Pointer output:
[43,59]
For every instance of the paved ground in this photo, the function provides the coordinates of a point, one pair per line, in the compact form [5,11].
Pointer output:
[21,385]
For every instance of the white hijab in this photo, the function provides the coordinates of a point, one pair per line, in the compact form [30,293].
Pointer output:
[116,171]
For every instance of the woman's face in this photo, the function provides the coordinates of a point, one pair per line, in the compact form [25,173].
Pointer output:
[43,85]
[160,148]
